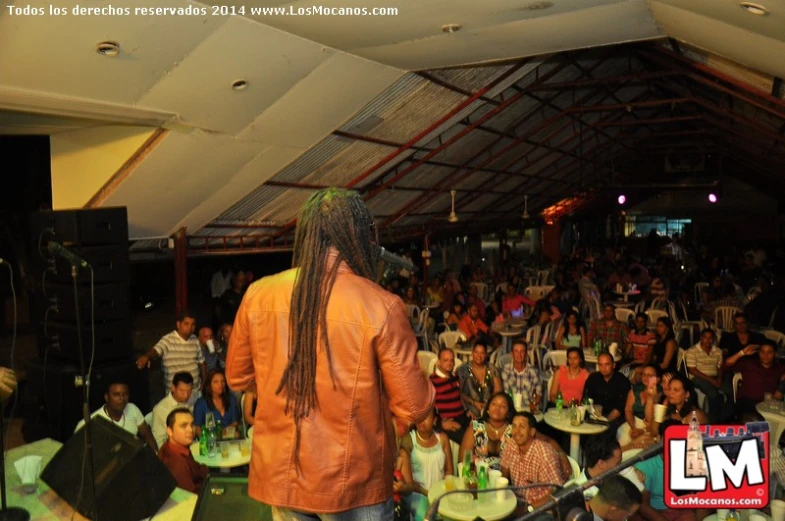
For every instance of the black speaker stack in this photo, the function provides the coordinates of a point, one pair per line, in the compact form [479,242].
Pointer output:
[77,308]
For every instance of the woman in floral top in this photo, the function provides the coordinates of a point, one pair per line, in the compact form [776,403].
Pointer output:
[478,381]
[488,435]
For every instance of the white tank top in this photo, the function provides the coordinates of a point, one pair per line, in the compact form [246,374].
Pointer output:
[427,462]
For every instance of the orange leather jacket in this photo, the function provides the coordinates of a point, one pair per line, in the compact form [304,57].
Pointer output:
[347,449]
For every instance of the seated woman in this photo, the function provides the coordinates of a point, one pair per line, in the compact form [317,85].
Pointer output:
[249,407]
[454,317]
[639,347]
[479,381]
[217,400]
[431,459]
[571,333]
[570,378]
[633,432]
[665,349]
[488,436]
[681,401]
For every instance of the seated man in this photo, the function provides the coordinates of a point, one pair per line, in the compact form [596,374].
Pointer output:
[609,388]
[616,500]
[704,363]
[180,397]
[608,329]
[653,505]
[732,343]
[472,326]
[519,378]
[603,453]
[448,397]
[530,460]
[123,414]
[176,452]
[758,375]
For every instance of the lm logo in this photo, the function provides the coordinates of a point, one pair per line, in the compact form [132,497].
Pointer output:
[720,466]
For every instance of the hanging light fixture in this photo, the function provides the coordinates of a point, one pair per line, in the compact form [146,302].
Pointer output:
[525,206]
[453,218]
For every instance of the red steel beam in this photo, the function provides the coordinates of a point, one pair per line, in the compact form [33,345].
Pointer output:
[624,78]
[655,121]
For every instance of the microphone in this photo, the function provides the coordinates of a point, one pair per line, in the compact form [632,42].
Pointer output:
[392,258]
[55,248]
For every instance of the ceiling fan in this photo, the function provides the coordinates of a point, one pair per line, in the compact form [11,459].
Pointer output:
[453,217]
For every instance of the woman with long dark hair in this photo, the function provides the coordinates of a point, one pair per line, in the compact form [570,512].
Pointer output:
[665,349]
[217,400]
[681,401]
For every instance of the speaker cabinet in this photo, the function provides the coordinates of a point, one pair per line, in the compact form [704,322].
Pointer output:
[131,483]
[82,227]
[61,340]
[111,302]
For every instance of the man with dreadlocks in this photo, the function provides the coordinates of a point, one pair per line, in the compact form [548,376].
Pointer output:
[331,356]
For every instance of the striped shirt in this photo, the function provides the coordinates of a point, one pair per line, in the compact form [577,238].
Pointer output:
[448,396]
[178,355]
[708,364]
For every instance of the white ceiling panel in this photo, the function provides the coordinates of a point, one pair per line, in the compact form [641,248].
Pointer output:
[602,25]
[57,53]
[176,177]
[755,50]
[224,57]
[231,189]
[299,118]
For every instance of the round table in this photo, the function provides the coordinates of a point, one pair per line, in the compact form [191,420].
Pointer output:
[626,294]
[623,304]
[591,358]
[745,515]
[235,459]
[508,332]
[774,413]
[562,423]
[491,509]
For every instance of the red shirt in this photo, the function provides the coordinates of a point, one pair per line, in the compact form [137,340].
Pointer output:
[756,379]
[471,326]
[510,304]
[188,474]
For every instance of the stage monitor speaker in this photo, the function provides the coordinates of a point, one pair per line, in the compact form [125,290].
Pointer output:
[52,397]
[61,340]
[225,496]
[131,483]
[81,227]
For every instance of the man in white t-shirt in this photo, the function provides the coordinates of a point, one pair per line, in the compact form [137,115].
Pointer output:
[180,397]
[125,415]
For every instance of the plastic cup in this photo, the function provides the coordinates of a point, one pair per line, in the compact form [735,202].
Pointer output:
[225,450]
[659,413]
[517,399]
[493,477]
[501,495]
[245,449]
[597,410]
[230,432]
[777,510]
[767,397]
[449,483]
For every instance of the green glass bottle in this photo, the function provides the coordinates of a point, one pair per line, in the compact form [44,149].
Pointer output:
[559,402]
[203,442]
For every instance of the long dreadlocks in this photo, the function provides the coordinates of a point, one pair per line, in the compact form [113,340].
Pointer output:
[336,218]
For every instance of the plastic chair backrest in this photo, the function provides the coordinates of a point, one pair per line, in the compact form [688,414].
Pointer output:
[736,380]
[425,358]
[450,338]
[775,336]
[723,317]
[655,314]
[624,315]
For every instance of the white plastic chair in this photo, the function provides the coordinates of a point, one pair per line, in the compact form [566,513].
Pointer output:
[624,315]
[576,469]
[700,288]
[533,335]
[753,292]
[425,358]
[450,338]
[655,314]
[503,359]
[775,336]
[723,317]
[501,287]
[413,311]
[554,358]
[736,381]
[659,303]
[421,329]
[543,276]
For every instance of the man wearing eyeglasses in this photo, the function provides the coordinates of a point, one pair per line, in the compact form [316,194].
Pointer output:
[732,343]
